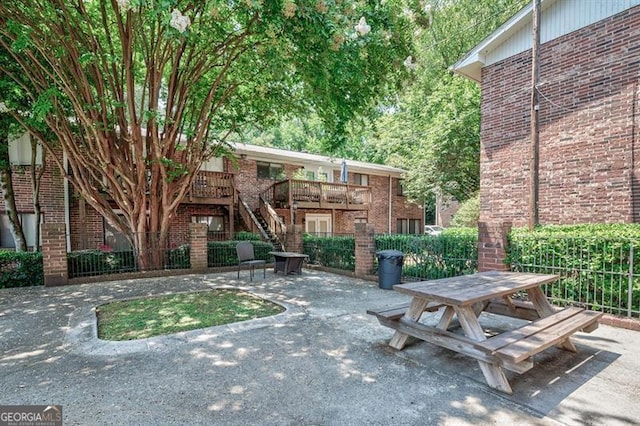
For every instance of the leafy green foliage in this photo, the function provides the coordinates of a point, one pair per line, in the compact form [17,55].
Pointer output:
[332,252]
[433,131]
[593,260]
[246,236]
[452,253]
[468,213]
[20,269]
[140,92]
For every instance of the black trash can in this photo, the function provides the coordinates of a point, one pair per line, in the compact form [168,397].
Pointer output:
[389,268]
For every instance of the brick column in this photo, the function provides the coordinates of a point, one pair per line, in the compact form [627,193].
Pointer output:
[54,253]
[365,249]
[198,246]
[492,246]
[293,239]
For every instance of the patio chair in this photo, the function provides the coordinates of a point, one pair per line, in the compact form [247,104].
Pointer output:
[247,257]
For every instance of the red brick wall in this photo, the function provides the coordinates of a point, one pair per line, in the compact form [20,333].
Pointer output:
[51,191]
[588,128]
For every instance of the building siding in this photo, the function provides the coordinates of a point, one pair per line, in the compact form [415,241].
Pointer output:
[589,106]
[558,20]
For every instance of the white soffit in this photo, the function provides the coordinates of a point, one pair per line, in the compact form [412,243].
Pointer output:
[558,18]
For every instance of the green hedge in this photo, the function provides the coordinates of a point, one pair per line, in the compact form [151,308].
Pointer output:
[20,269]
[593,261]
[337,252]
[452,253]
[223,253]
[246,236]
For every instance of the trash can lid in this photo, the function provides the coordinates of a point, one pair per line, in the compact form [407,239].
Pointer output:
[389,254]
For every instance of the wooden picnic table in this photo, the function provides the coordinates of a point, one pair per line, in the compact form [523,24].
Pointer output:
[287,262]
[469,295]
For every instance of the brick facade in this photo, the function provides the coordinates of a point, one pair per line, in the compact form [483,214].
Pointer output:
[589,106]
[51,191]
[87,227]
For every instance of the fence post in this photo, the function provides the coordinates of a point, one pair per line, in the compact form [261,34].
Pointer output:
[293,239]
[198,244]
[365,249]
[54,254]
[492,246]
[630,295]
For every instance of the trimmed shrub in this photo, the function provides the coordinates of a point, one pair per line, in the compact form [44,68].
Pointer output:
[20,269]
[337,252]
[592,260]
[178,258]
[452,253]
[246,236]
[468,213]
[223,253]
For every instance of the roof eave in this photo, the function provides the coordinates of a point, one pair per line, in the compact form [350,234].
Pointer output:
[470,66]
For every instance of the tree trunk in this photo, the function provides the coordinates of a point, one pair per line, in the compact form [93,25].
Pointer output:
[6,185]
[36,178]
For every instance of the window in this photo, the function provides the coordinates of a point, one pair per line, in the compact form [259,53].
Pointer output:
[361,220]
[318,224]
[360,179]
[28,221]
[408,226]
[115,239]
[215,223]
[399,189]
[270,170]
[20,151]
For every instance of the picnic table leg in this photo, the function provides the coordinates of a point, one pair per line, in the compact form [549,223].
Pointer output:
[417,307]
[544,309]
[493,374]
[445,319]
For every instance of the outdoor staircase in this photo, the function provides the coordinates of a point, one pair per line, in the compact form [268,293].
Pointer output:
[272,238]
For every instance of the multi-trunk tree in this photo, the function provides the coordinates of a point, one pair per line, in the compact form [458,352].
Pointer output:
[138,93]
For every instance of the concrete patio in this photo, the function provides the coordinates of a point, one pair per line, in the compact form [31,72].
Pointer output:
[323,362]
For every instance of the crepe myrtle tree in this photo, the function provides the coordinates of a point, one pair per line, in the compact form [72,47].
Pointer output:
[140,92]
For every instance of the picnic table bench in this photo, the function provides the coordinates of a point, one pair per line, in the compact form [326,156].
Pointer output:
[466,297]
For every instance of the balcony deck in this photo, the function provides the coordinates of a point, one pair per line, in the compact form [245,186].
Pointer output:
[319,195]
[212,188]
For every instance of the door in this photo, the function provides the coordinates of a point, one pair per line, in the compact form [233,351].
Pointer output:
[318,224]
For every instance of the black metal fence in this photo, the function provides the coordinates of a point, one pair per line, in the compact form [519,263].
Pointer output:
[152,254]
[601,274]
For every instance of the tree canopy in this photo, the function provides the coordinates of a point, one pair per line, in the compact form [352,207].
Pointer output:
[138,93]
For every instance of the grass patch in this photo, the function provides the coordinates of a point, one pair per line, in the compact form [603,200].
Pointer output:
[156,316]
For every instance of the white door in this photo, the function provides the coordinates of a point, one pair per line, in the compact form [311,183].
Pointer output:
[319,224]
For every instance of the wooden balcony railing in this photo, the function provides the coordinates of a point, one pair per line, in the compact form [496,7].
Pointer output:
[311,194]
[212,188]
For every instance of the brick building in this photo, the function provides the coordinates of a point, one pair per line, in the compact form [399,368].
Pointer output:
[269,189]
[589,103]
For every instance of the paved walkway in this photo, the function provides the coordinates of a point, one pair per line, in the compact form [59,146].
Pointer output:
[323,362]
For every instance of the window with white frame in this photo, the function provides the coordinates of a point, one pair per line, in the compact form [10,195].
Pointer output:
[399,187]
[408,226]
[28,221]
[270,170]
[114,239]
[20,151]
[214,223]
[360,179]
